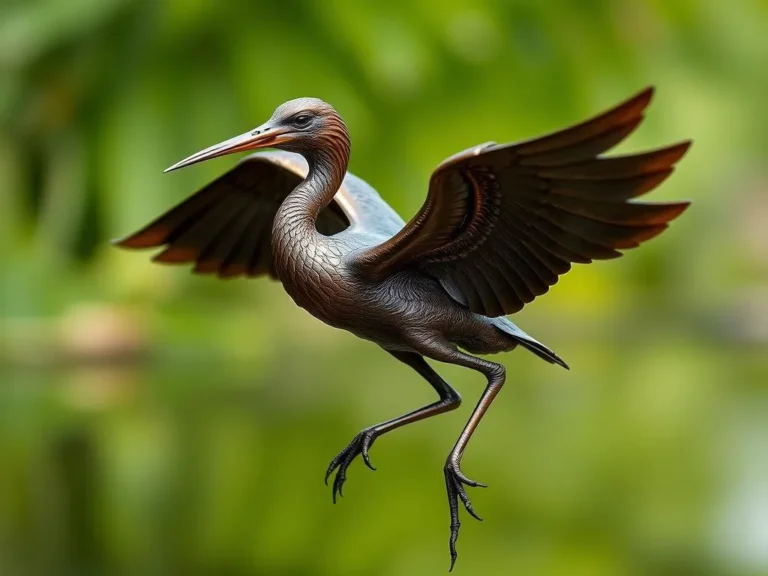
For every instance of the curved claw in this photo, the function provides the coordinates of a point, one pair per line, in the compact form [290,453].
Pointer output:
[360,445]
[464,480]
[367,460]
[457,492]
[452,543]
[367,443]
[331,467]
[468,504]
[338,485]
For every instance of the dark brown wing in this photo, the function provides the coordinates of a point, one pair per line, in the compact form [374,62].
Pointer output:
[502,222]
[226,228]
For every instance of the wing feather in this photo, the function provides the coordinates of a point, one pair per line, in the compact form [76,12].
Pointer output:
[226,228]
[238,262]
[501,223]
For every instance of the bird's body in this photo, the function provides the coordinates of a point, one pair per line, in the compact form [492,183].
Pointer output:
[500,224]
[394,312]
[399,312]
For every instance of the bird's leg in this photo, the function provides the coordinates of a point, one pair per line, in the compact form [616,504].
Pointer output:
[455,480]
[449,400]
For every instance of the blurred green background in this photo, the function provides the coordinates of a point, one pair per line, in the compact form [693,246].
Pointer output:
[154,422]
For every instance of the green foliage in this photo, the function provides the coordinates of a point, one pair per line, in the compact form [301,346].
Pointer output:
[154,422]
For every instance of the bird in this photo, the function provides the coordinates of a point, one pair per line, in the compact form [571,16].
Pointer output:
[500,224]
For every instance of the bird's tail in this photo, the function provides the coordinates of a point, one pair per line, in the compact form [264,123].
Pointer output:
[527,342]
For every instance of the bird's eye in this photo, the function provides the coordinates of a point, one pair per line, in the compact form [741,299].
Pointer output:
[302,120]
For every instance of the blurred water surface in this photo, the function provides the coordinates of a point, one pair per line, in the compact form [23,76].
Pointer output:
[156,422]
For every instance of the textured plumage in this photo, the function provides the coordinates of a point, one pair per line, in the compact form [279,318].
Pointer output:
[500,224]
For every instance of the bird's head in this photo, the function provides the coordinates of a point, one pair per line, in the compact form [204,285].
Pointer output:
[304,125]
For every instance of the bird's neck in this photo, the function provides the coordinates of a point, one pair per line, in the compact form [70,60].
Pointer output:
[295,222]
[327,167]
[294,227]
[326,173]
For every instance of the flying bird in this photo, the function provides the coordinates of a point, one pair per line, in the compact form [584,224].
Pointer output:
[500,224]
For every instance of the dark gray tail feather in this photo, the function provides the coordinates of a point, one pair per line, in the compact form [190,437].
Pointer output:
[527,342]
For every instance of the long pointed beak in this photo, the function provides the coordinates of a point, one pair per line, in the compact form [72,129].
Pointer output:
[262,137]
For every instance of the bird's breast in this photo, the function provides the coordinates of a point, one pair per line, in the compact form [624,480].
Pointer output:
[313,273]
[318,277]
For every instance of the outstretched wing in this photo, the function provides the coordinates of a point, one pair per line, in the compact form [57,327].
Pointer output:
[226,228]
[502,222]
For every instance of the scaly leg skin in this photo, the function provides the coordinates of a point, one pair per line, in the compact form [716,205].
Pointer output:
[449,400]
[455,480]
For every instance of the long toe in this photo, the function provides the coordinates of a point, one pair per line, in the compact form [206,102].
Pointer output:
[455,480]
[455,483]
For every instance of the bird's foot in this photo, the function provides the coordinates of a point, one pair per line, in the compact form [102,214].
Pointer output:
[360,445]
[454,483]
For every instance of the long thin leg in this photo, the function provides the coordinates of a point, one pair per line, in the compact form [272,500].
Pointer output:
[449,400]
[454,478]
